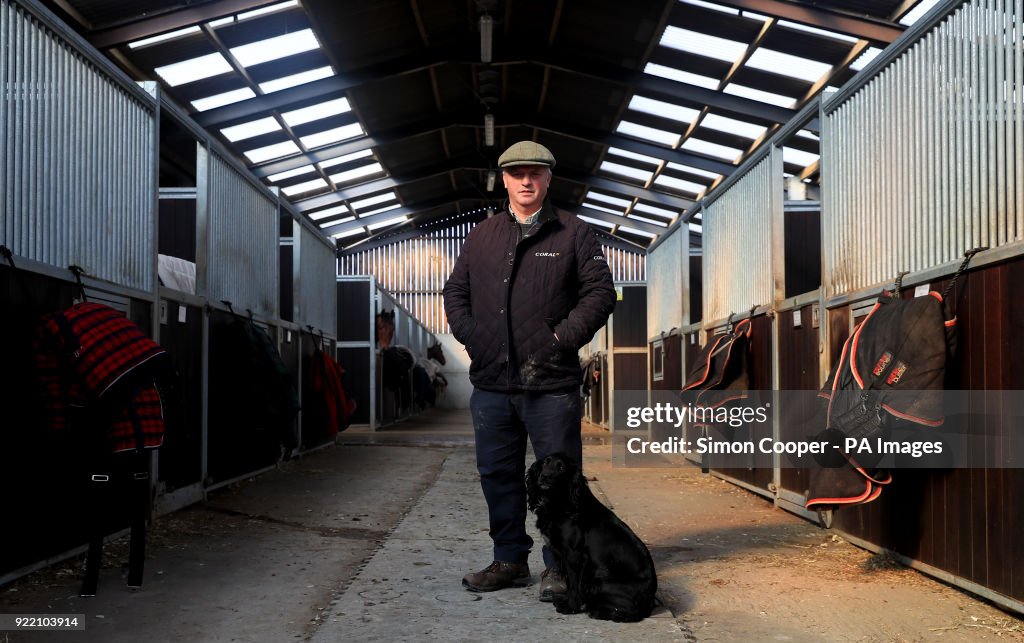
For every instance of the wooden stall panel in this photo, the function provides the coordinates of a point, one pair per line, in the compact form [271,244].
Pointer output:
[963,521]
[798,371]
[181,334]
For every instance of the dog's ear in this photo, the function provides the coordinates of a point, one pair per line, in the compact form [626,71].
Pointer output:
[532,489]
[577,486]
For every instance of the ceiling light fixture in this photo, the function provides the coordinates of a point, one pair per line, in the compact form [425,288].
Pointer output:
[486,37]
[489,130]
[491,176]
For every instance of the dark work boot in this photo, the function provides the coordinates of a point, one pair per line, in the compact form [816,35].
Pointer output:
[497,575]
[552,583]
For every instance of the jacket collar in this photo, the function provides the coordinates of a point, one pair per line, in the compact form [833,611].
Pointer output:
[547,212]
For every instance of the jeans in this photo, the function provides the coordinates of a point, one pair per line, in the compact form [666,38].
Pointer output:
[501,423]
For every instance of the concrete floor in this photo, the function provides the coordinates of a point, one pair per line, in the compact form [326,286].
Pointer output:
[369,540]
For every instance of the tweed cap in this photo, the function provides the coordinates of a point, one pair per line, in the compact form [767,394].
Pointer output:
[526,153]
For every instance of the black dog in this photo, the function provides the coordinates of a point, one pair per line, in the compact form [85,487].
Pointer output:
[608,570]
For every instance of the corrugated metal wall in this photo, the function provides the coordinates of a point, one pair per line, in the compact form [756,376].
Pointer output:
[77,158]
[625,264]
[415,270]
[243,261]
[665,283]
[316,285]
[737,272]
[924,162]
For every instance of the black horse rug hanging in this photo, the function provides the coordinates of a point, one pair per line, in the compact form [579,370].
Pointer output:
[892,370]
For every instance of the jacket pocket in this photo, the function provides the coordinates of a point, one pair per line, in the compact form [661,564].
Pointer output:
[471,340]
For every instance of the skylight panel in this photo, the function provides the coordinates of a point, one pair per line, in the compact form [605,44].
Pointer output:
[152,40]
[712,149]
[219,100]
[287,174]
[597,196]
[681,76]
[296,79]
[250,129]
[662,109]
[918,12]
[787,65]
[597,222]
[346,158]
[623,228]
[386,208]
[808,134]
[694,170]
[347,233]
[373,200]
[220,22]
[695,227]
[814,30]
[281,6]
[633,155]
[733,126]
[308,186]
[799,157]
[388,222]
[758,95]
[601,208]
[359,172]
[263,51]
[712,6]
[330,212]
[702,44]
[274,151]
[332,135]
[637,217]
[626,170]
[865,58]
[650,209]
[648,133]
[679,184]
[316,112]
[193,69]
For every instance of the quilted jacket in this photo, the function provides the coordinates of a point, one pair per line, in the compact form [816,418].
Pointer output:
[510,294]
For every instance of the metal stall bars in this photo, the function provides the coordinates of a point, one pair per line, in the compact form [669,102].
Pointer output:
[922,161]
[314,273]
[356,347]
[739,276]
[237,270]
[77,165]
[668,297]
[78,142]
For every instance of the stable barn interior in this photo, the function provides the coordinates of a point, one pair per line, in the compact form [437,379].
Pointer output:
[919,159]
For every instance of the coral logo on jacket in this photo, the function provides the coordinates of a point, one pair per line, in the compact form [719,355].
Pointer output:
[599,258]
[896,374]
[548,254]
[882,362]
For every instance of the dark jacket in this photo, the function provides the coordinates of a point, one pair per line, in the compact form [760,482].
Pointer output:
[508,297]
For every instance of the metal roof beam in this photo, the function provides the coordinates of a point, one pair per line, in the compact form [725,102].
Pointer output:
[638,146]
[626,189]
[615,219]
[329,87]
[673,90]
[124,33]
[409,210]
[878,31]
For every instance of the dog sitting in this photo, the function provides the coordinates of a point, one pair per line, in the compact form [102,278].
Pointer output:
[608,569]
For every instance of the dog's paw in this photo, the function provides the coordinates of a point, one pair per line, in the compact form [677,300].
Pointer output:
[564,605]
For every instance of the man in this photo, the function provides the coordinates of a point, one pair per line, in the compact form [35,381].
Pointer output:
[530,287]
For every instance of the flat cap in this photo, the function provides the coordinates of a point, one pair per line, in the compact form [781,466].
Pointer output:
[526,153]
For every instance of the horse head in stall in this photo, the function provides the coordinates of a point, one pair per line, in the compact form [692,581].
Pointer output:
[385,328]
[436,353]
